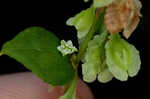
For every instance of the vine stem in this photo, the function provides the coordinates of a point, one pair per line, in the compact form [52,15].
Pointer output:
[75,59]
[86,40]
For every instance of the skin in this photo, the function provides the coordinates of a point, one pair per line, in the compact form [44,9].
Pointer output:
[28,86]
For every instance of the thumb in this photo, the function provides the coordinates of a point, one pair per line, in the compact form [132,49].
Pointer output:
[28,86]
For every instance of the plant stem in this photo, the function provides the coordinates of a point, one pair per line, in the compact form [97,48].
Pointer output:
[86,40]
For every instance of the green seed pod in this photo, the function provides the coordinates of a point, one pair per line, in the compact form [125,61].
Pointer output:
[122,58]
[92,63]
[105,76]
[82,21]
[94,58]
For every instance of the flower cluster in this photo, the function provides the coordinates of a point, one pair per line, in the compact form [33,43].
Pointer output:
[66,47]
[107,54]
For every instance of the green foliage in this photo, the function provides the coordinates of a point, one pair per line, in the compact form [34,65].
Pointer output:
[103,58]
[36,48]
[122,58]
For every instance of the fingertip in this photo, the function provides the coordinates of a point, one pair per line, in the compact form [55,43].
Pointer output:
[28,86]
[25,86]
[83,91]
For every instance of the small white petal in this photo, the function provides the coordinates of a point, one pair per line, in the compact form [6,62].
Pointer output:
[66,47]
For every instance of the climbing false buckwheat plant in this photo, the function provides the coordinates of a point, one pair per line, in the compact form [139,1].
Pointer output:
[103,52]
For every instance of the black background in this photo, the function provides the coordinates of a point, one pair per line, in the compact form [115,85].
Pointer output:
[16,16]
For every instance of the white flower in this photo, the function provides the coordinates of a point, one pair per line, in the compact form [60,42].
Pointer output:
[67,47]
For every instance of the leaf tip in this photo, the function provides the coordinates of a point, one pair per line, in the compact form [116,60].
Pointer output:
[1,53]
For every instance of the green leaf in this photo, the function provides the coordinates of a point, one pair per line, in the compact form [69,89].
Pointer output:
[101,3]
[82,21]
[36,48]
[122,58]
